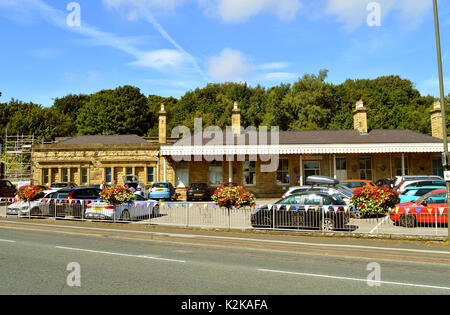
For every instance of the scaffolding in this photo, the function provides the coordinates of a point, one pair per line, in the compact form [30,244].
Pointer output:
[17,157]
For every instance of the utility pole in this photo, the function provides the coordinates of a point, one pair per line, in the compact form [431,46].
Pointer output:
[443,109]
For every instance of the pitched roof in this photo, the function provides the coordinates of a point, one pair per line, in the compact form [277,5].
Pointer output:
[109,139]
[378,136]
[355,137]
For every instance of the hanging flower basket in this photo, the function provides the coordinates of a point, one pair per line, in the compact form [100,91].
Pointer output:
[117,195]
[30,193]
[374,201]
[233,197]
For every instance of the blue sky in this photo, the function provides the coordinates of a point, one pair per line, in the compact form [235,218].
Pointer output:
[167,47]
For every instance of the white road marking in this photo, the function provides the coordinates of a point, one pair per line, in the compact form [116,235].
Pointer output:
[376,227]
[7,241]
[354,279]
[239,239]
[119,254]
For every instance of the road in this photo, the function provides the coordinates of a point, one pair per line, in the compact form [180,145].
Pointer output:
[34,259]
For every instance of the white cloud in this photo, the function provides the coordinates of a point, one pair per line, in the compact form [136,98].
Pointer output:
[233,65]
[162,60]
[353,13]
[238,11]
[136,8]
[230,65]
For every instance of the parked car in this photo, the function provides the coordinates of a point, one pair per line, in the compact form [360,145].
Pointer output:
[162,190]
[325,181]
[415,193]
[354,184]
[198,191]
[62,185]
[385,182]
[304,210]
[342,193]
[7,189]
[431,208]
[136,210]
[25,208]
[133,182]
[399,180]
[420,183]
[69,202]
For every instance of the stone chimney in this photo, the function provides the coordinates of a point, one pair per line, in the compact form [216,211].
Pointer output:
[162,114]
[236,119]
[436,121]
[360,117]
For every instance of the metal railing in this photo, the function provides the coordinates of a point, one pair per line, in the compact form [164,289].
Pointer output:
[427,221]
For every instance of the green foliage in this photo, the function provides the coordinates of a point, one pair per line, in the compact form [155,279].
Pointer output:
[120,111]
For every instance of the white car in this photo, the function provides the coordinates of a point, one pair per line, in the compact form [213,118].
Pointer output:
[28,208]
[134,210]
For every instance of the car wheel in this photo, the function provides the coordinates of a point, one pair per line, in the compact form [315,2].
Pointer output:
[358,214]
[267,222]
[35,211]
[407,220]
[125,216]
[327,224]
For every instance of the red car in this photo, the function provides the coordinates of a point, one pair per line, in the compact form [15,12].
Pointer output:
[432,208]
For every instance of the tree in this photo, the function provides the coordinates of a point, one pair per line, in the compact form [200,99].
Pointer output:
[120,111]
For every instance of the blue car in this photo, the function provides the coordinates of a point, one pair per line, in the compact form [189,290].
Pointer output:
[411,194]
[162,190]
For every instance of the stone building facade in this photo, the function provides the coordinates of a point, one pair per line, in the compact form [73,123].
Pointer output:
[242,158]
[91,160]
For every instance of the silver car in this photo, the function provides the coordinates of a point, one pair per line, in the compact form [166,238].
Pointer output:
[28,208]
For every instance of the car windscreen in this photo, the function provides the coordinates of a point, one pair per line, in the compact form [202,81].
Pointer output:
[58,185]
[160,185]
[61,195]
[198,185]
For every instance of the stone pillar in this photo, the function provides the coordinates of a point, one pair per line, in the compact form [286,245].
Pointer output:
[436,121]
[360,117]
[236,119]
[162,135]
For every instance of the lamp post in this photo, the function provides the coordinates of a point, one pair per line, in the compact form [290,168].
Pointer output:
[443,109]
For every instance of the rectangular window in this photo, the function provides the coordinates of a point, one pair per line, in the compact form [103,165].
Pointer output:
[283,172]
[150,174]
[437,167]
[311,168]
[64,175]
[215,173]
[45,176]
[84,175]
[398,166]
[341,168]
[365,168]
[249,171]
[129,171]
[108,177]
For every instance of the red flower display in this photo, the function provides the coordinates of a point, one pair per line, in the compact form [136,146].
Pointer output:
[30,193]
[373,200]
[117,195]
[236,197]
